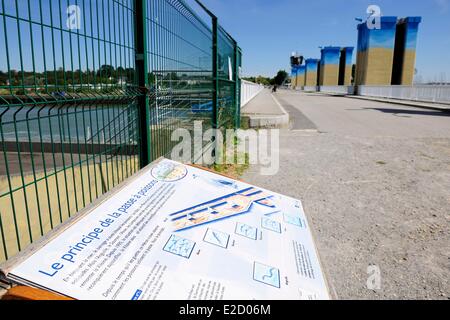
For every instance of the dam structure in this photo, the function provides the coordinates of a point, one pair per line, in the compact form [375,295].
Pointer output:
[301,77]
[293,77]
[405,51]
[346,66]
[311,72]
[375,57]
[329,66]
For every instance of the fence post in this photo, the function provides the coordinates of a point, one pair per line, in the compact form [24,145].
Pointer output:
[142,81]
[215,65]
[237,89]
[215,74]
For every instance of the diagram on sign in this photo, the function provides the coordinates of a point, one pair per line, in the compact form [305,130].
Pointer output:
[246,231]
[266,274]
[270,224]
[266,202]
[167,171]
[234,204]
[179,246]
[293,220]
[217,238]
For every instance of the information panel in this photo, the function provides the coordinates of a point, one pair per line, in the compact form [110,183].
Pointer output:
[177,232]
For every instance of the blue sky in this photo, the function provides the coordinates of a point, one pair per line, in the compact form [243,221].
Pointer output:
[269,30]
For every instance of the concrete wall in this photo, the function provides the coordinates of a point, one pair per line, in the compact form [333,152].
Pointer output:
[311,75]
[405,51]
[249,90]
[424,93]
[375,54]
[345,90]
[345,66]
[293,78]
[310,88]
[300,77]
[329,66]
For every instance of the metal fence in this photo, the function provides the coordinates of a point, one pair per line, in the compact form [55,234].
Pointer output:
[90,92]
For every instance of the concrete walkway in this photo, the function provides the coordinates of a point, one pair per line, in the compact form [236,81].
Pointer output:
[265,111]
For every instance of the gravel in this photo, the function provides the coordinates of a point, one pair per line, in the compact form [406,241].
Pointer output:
[371,199]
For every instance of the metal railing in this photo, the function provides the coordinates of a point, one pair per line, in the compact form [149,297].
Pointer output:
[90,92]
[420,93]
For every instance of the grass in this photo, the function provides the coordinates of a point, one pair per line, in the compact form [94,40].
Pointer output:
[234,170]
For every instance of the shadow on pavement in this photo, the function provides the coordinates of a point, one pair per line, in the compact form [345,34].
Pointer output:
[412,112]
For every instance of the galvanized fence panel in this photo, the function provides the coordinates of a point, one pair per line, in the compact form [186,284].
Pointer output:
[90,92]
[68,112]
[238,80]
[179,68]
[227,81]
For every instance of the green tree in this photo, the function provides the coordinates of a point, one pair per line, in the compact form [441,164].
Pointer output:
[120,72]
[3,78]
[129,73]
[106,71]
[251,79]
[263,80]
[280,78]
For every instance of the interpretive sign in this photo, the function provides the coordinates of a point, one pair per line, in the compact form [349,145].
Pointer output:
[177,232]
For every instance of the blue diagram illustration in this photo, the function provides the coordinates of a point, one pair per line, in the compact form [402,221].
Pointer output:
[270,224]
[266,274]
[246,231]
[293,220]
[217,238]
[179,246]
[228,206]
[268,202]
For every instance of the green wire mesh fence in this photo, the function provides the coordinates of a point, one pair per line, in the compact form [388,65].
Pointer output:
[227,84]
[91,91]
[179,63]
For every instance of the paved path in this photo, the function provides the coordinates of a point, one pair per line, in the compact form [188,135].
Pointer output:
[263,104]
[265,111]
[374,179]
